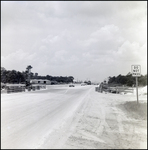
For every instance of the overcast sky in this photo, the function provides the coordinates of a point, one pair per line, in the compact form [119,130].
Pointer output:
[89,40]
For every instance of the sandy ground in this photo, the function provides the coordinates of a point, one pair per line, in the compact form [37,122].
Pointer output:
[73,118]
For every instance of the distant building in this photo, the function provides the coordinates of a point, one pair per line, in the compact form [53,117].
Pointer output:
[40,81]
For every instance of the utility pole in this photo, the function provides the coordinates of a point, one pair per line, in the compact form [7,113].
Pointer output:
[29,72]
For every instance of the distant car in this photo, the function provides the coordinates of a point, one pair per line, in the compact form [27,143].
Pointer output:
[83,84]
[71,85]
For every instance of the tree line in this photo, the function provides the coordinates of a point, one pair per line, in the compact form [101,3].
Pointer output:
[127,80]
[13,76]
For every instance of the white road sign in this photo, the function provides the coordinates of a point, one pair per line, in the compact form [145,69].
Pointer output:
[136,70]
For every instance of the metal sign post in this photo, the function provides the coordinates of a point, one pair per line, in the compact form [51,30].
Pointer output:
[137,88]
[136,72]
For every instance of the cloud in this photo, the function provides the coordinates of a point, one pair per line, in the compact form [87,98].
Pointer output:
[18,59]
[51,39]
[89,38]
[131,51]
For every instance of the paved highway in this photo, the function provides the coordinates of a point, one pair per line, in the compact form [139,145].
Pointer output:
[27,118]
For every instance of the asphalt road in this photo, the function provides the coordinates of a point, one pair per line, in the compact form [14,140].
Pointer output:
[28,117]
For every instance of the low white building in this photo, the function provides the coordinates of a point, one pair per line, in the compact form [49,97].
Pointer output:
[40,81]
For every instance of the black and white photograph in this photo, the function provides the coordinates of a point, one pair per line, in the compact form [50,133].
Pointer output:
[73,74]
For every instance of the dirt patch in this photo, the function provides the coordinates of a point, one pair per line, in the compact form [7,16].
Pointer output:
[135,111]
